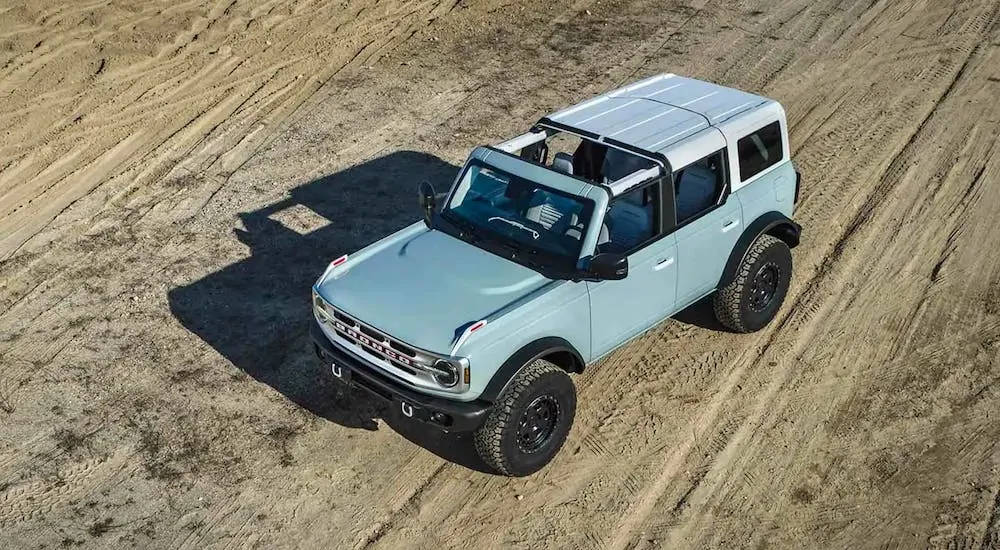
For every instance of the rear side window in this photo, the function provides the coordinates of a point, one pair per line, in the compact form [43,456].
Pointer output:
[759,151]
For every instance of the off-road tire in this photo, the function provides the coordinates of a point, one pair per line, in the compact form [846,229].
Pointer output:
[497,439]
[732,303]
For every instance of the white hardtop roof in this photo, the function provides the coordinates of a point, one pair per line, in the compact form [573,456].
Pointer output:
[657,112]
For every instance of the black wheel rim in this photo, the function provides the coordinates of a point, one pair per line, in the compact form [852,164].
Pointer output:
[764,287]
[537,423]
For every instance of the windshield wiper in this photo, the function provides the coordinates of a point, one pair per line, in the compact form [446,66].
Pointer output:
[517,251]
[466,228]
[522,251]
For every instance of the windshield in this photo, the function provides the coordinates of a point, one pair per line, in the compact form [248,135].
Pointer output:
[498,205]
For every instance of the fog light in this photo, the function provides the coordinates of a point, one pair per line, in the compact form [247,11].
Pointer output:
[440,418]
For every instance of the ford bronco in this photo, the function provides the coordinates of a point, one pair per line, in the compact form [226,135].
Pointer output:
[556,247]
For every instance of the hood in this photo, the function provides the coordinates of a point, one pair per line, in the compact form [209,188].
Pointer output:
[425,288]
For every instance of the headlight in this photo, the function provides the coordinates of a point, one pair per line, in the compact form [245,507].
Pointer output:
[447,373]
[320,306]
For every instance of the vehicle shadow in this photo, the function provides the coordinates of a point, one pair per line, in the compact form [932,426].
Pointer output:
[701,314]
[256,312]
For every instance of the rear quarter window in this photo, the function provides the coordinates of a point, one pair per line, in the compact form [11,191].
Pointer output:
[759,150]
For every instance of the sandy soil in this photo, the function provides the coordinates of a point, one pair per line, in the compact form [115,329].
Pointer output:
[173,176]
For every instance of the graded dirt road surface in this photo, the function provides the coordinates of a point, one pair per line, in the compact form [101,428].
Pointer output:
[174,176]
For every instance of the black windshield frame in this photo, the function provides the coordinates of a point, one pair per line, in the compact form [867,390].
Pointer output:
[550,262]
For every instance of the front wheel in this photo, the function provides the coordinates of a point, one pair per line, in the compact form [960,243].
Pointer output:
[529,421]
[753,298]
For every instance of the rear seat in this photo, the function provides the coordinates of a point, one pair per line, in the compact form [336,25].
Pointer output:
[695,191]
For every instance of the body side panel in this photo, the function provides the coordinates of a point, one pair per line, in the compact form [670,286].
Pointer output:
[703,246]
[562,313]
[622,309]
[774,190]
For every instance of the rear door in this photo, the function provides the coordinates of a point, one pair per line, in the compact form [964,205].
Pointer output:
[634,226]
[708,225]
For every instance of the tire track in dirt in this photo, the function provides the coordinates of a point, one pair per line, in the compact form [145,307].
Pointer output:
[383,34]
[231,158]
[765,401]
[589,439]
[381,491]
[32,500]
[892,176]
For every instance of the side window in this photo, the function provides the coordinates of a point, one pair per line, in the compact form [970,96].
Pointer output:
[759,151]
[631,221]
[699,186]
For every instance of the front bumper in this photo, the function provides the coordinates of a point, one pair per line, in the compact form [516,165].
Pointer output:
[444,414]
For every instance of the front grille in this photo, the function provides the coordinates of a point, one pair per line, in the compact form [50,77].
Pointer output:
[400,360]
[341,317]
[373,342]
[402,349]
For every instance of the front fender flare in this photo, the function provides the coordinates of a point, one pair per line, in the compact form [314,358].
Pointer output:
[770,223]
[525,356]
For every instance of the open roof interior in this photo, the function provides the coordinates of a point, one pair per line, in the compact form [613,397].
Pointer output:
[646,118]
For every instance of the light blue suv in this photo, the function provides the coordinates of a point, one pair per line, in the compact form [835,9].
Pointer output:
[558,246]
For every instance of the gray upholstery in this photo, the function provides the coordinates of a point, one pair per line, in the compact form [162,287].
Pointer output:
[563,162]
[553,212]
[546,214]
[695,191]
[629,225]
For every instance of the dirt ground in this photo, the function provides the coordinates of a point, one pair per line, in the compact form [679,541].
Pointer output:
[175,175]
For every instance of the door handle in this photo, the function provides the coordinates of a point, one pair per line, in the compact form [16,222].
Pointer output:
[730,225]
[663,264]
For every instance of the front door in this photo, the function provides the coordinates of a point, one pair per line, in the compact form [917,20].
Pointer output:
[622,309]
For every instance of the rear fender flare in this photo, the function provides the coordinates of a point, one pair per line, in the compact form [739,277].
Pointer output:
[770,223]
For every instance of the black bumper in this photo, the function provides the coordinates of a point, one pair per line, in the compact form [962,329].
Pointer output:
[444,414]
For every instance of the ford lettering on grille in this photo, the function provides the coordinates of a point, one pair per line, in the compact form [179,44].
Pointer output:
[379,347]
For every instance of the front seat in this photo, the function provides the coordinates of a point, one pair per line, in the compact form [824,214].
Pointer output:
[552,212]
[563,162]
[630,225]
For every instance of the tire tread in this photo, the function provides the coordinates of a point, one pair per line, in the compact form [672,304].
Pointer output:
[727,300]
[489,437]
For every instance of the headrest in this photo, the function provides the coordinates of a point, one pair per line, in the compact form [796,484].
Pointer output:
[563,162]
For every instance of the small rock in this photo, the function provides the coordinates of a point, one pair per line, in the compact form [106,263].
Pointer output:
[588,12]
[520,497]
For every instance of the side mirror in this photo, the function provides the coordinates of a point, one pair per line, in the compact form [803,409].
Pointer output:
[608,266]
[427,202]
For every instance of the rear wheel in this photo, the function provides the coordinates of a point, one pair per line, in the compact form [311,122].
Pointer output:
[753,298]
[529,421]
